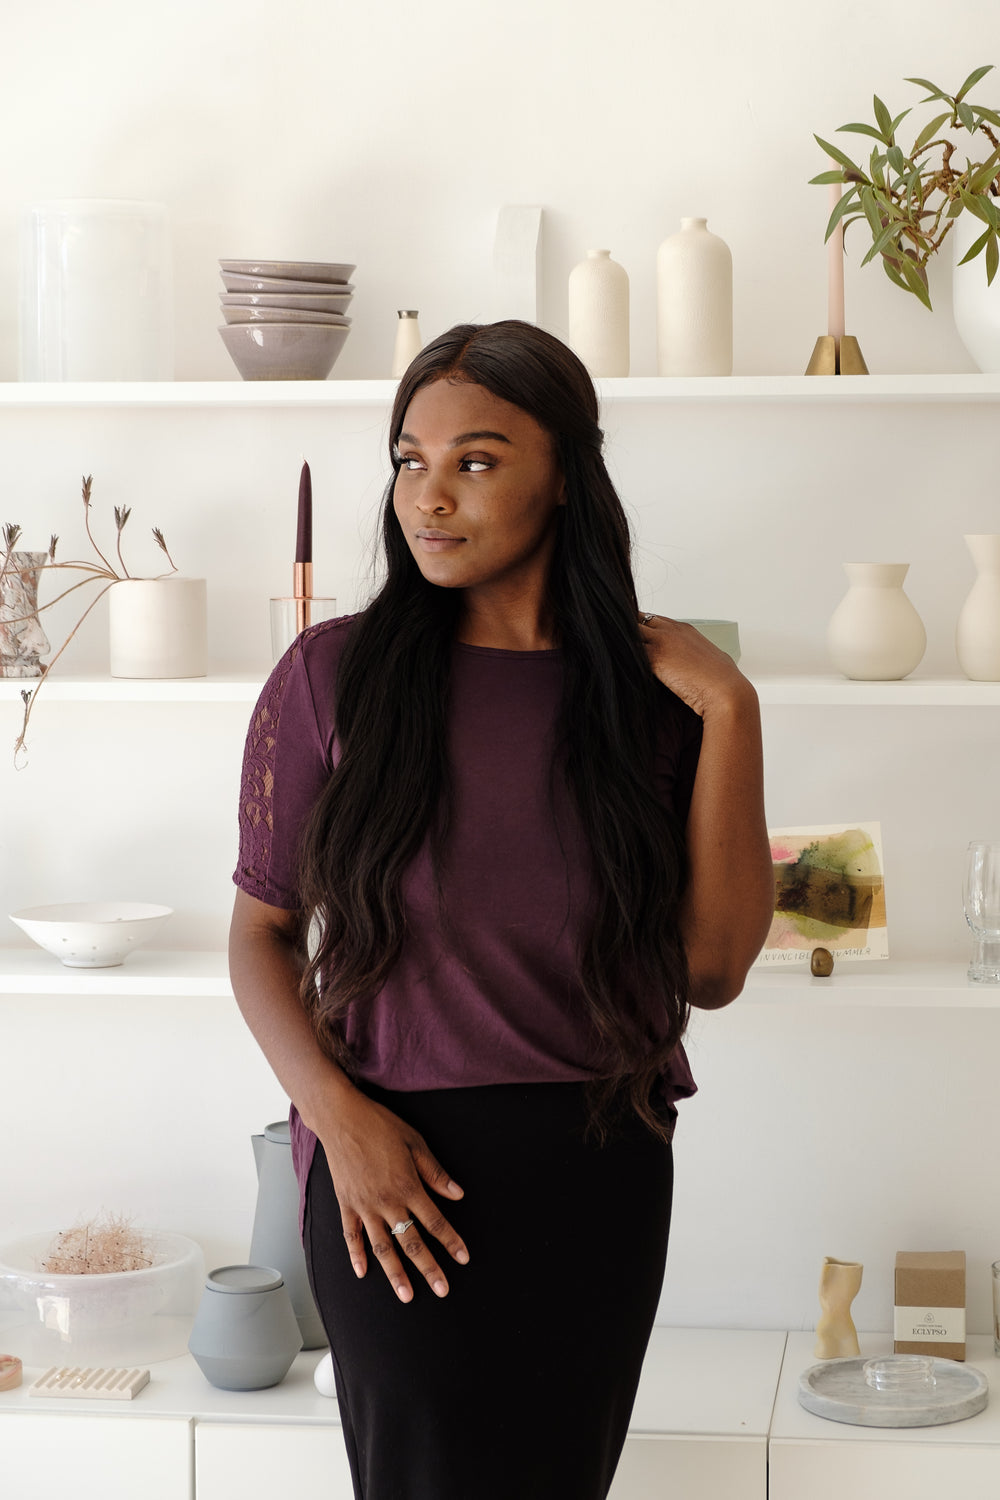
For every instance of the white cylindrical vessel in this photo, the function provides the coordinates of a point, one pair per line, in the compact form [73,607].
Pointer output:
[599,314]
[158,627]
[875,634]
[694,303]
[975,303]
[408,343]
[977,635]
[96,291]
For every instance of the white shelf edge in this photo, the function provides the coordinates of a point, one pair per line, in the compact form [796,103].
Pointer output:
[898,984]
[165,972]
[802,690]
[634,388]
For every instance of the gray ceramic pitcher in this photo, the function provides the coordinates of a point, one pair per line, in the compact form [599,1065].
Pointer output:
[276,1239]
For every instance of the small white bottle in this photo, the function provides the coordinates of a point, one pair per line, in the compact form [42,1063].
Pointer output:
[408,343]
[598,314]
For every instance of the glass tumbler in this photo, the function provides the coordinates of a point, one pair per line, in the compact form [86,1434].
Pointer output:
[981,896]
[289,616]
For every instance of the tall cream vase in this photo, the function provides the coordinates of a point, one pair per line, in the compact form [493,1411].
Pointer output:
[694,303]
[599,314]
[875,634]
[839,1284]
[977,635]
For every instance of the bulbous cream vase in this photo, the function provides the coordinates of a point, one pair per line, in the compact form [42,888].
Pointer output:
[839,1284]
[875,634]
[977,635]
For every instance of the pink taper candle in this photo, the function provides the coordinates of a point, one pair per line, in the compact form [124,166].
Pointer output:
[835,270]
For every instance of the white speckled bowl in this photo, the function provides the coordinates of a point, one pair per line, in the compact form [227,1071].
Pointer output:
[332,300]
[92,934]
[285,315]
[284,351]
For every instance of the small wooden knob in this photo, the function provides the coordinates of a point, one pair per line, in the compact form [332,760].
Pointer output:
[821,963]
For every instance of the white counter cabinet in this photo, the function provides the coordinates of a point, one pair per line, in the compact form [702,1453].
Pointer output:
[811,1458]
[699,1429]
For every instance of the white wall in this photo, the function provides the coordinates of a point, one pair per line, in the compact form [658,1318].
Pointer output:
[391,136]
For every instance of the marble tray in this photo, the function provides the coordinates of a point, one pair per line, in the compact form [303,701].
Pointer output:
[837,1389]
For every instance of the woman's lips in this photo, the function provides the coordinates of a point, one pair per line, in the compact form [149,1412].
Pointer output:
[438,541]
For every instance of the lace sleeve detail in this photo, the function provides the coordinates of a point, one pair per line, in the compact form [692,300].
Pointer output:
[284,717]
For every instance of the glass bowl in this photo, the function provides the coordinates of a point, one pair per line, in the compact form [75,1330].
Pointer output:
[114,1318]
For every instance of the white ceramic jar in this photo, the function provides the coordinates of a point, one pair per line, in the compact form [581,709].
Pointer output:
[875,634]
[158,627]
[599,313]
[694,302]
[408,344]
[977,635]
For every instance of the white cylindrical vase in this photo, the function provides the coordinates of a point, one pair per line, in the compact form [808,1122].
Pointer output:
[408,344]
[977,635]
[694,303]
[599,314]
[159,627]
[975,303]
[96,297]
[875,634]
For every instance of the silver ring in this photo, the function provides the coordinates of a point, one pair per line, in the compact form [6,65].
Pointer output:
[646,619]
[401,1227]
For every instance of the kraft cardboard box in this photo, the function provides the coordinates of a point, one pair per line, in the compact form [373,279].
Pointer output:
[929,1316]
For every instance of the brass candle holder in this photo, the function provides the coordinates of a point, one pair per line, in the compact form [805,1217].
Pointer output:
[837,356]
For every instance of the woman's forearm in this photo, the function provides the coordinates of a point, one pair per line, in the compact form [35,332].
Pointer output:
[265,969]
[729,901]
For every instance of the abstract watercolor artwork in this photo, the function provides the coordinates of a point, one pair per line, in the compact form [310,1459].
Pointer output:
[829,893]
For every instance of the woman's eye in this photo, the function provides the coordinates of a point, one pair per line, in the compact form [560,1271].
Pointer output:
[475,465]
[409,462]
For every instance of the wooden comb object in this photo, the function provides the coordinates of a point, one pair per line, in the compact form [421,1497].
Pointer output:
[91,1384]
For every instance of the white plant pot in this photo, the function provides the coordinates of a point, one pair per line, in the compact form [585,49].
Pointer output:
[159,627]
[975,304]
[875,634]
[977,635]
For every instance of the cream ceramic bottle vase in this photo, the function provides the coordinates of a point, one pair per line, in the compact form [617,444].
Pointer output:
[875,634]
[408,344]
[977,636]
[598,313]
[694,303]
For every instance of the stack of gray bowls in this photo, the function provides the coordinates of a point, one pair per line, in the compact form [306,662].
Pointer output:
[285,319]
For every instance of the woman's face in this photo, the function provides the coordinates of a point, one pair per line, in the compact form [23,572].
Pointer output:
[477,491]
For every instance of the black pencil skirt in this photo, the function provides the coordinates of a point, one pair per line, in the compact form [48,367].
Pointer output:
[519,1384]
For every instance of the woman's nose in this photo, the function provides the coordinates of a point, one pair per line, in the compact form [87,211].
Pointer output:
[435,497]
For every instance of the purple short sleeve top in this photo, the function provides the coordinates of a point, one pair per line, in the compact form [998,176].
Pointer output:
[487,992]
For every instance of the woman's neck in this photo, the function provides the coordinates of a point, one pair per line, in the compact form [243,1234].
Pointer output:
[504,628]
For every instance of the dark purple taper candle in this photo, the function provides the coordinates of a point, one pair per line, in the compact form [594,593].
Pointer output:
[304,534]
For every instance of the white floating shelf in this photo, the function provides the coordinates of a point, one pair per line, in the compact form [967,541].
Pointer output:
[236,687]
[31,971]
[244,687]
[635,388]
[894,984]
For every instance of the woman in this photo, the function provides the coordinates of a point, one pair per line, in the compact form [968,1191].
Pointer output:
[524,824]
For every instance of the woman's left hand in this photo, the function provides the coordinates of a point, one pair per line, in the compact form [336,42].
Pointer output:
[688,664]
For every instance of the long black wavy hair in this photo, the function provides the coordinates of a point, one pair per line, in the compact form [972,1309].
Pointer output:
[390,790]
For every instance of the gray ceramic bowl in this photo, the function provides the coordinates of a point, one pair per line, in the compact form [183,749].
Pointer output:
[327,302]
[284,315]
[237,282]
[291,270]
[284,351]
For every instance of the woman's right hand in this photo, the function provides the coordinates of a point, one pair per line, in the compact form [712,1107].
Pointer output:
[382,1170]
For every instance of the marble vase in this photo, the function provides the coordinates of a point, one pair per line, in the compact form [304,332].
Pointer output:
[22,640]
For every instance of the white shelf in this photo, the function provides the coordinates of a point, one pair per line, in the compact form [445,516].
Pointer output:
[244,687]
[637,388]
[236,687]
[805,690]
[894,984]
[32,971]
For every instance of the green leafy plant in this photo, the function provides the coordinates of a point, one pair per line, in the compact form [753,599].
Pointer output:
[99,570]
[910,201]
